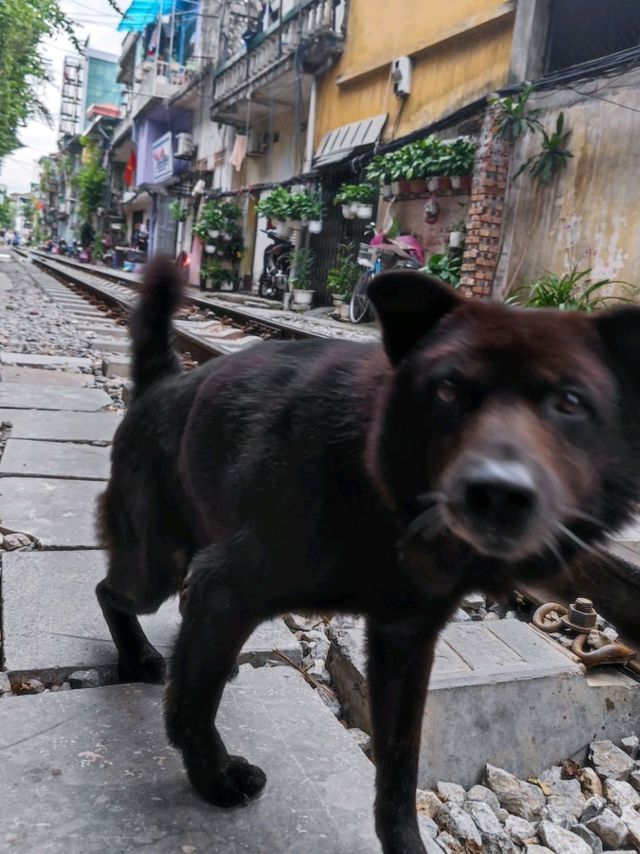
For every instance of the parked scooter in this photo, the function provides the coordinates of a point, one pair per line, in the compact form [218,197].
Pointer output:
[272,283]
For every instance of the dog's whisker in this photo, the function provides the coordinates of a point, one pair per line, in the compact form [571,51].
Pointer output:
[587,517]
[578,540]
[555,551]
[432,498]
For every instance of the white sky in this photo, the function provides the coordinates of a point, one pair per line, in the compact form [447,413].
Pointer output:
[95,19]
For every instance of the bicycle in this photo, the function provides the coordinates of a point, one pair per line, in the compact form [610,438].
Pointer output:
[374,259]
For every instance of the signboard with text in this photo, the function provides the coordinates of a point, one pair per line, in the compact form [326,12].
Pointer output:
[162,157]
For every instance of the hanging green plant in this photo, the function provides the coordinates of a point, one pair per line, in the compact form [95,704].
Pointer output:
[177,211]
[553,156]
[517,118]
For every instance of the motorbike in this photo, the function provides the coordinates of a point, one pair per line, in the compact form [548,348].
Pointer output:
[272,283]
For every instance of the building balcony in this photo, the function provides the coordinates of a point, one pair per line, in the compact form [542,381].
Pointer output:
[259,79]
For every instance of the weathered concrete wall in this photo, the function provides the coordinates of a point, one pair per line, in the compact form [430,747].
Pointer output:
[590,214]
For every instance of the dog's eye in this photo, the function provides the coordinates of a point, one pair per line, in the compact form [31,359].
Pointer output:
[568,403]
[447,391]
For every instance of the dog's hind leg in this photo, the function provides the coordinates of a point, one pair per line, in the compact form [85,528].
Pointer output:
[218,618]
[138,660]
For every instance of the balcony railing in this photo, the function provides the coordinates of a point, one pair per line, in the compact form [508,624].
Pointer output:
[273,51]
[162,79]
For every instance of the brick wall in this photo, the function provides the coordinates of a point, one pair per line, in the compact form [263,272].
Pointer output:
[484,217]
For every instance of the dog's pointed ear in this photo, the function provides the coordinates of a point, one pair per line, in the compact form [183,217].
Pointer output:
[619,330]
[409,304]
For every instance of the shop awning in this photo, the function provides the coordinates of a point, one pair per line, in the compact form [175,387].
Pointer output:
[141,13]
[340,143]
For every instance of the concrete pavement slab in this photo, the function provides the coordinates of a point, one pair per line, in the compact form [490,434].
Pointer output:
[116,365]
[27,458]
[45,397]
[61,426]
[110,345]
[58,513]
[36,360]
[90,770]
[503,693]
[53,624]
[34,376]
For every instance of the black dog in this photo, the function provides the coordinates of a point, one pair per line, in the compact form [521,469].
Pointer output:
[476,449]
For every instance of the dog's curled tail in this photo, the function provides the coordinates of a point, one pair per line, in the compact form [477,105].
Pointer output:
[153,356]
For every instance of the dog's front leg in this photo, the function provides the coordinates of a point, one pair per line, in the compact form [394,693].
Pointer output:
[399,668]
[216,622]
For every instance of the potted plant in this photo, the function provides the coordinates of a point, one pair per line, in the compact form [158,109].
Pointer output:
[177,210]
[379,173]
[302,261]
[312,210]
[461,163]
[209,275]
[345,198]
[364,199]
[457,232]
[276,207]
[295,210]
[342,278]
[214,219]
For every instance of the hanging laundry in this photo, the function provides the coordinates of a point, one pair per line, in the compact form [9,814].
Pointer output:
[239,152]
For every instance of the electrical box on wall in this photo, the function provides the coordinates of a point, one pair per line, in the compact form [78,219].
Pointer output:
[184,146]
[401,76]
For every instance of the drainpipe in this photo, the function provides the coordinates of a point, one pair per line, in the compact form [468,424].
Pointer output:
[311,124]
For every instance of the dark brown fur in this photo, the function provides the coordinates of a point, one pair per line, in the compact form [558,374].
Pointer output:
[348,477]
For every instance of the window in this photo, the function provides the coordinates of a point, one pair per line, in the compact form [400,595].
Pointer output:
[581,30]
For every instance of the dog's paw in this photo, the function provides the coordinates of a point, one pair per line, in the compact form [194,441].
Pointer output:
[150,667]
[229,786]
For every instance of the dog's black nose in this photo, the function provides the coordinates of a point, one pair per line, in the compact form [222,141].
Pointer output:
[501,495]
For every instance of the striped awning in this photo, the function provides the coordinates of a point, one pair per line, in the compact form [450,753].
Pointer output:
[341,142]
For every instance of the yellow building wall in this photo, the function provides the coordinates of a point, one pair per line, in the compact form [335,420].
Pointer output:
[460,51]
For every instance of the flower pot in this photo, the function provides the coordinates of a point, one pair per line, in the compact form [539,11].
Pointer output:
[338,299]
[405,187]
[438,183]
[353,207]
[346,212]
[344,311]
[395,188]
[418,185]
[220,251]
[386,191]
[226,236]
[214,233]
[282,229]
[315,226]
[364,211]
[209,248]
[461,182]
[294,224]
[456,239]
[226,286]
[303,297]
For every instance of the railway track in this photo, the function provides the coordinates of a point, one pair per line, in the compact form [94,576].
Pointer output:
[215,328]
[208,329]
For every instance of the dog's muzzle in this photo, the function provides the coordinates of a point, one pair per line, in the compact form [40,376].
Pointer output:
[496,505]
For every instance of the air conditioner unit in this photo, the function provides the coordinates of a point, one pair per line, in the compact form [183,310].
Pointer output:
[401,75]
[257,144]
[184,146]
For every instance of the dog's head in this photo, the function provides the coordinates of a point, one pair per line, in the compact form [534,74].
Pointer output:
[520,428]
